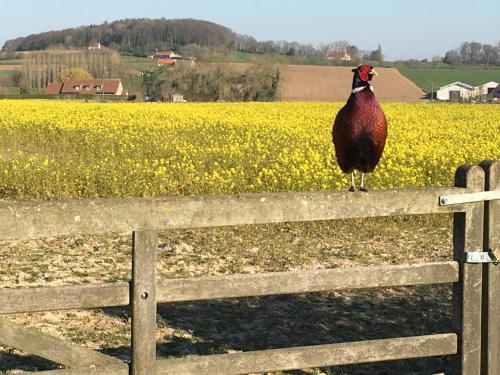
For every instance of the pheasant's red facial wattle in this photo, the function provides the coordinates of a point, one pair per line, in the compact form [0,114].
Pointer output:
[364,72]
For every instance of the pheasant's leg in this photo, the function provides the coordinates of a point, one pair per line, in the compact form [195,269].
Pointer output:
[352,187]
[361,185]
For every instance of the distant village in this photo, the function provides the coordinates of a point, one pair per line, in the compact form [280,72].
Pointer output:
[114,87]
[453,92]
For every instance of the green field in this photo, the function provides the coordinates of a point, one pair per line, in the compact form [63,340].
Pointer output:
[138,63]
[432,78]
[9,90]
[246,57]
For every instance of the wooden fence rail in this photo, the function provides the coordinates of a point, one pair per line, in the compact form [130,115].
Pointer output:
[471,348]
[23,300]
[294,358]
[20,220]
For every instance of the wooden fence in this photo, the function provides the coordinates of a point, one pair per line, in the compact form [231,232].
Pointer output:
[474,342]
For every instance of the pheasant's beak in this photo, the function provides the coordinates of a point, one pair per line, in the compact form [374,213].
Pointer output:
[374,72]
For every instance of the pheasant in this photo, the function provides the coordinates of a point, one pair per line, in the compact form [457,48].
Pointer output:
[360,128]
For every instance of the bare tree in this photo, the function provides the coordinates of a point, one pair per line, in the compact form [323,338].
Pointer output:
[475,52]
[490,55]
[337,49]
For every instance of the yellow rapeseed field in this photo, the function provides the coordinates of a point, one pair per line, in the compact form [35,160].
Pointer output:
[55,149]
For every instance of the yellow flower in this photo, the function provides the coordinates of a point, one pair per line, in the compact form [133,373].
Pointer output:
[56,150]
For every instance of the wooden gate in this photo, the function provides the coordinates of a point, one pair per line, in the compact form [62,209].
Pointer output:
[474,342]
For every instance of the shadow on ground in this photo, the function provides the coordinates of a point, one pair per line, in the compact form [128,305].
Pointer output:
[221,326]
[11,361]
[312,319]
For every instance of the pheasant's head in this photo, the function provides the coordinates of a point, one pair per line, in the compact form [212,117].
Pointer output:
[363,74]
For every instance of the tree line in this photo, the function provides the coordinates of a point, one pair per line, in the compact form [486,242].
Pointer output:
[135,36]
[204,82]
[41,68]
[212,82]
[141,37]
[474,53]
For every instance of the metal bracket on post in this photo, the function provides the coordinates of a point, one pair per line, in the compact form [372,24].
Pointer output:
[481,257]
[482,196]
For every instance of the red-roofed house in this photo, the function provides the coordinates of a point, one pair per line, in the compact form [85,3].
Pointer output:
[53,88]
[167,58]
[165,61]
[87,87]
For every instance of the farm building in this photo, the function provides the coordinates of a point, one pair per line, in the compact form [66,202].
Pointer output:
[456,91]
[166,58]
[460,91]
[178,98]
[87,87]
[171,58]
[486,88]
[495,95]
[165,61]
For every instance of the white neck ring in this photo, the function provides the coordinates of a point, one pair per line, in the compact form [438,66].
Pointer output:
[358,89]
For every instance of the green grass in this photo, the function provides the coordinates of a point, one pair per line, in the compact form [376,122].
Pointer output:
[9,90]
[257,57]
[135,86]
[433,78]
[281,59]
[138,63]
[7,72]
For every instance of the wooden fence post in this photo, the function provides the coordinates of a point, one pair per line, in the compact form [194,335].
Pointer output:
[143,298]
[467,294]
[491,302]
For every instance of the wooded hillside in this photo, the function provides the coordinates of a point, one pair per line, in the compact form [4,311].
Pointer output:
[135,36]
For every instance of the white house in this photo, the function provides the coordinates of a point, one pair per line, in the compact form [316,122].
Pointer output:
[456,91]
[332,55]
[95,45]
[178,98]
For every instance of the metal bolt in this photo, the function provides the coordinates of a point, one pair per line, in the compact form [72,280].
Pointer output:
[144,295]
[444,200]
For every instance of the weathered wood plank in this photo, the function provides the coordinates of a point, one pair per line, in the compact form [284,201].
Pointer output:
[51,298]
[244,285]
[145,244]
[467,295]
[33,341]
[491,315]
[311,356]
[18,300]
[48,219]
[293,358]
[92,370]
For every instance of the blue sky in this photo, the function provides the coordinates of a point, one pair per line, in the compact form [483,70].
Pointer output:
[416,29]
